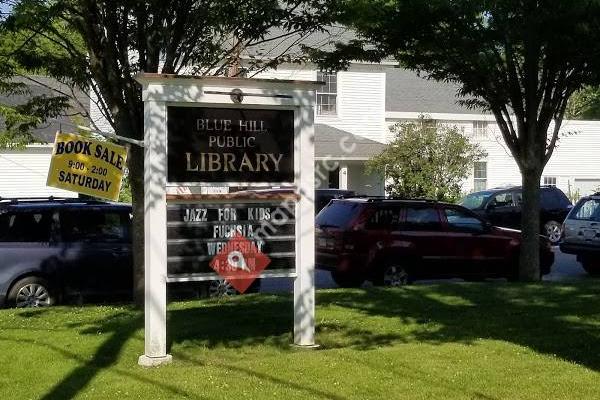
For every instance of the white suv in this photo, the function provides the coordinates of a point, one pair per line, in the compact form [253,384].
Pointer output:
[581,233]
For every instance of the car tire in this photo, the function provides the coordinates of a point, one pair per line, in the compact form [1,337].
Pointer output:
[221,288]
[553,230]
[346,280]
[31,292]
[394,275]
[591,266]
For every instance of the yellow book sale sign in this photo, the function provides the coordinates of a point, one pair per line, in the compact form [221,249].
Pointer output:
[87,166]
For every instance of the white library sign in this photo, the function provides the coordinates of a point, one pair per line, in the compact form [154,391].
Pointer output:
[244,136]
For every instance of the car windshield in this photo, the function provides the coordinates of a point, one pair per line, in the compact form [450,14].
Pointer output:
[586,210]
[338,214]
[475,200]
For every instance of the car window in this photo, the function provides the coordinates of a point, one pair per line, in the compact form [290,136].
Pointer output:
[338,214]
[503,200]
[34,226]
[550,200]
[94,225]
[384,218]
[475,200]
[518,198]
[586,210]
[563,200]
[461,221]
[422,219]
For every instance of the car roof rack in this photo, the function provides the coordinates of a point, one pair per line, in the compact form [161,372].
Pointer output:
[397,198]
[513,187]
[50,199]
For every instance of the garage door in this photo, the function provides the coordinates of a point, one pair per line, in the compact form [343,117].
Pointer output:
[587,186]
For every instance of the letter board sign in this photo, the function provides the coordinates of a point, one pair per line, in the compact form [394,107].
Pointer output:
[197,232]
[229,145]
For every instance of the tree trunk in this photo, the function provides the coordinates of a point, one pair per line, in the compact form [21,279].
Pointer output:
[125,125]
[529,260]
[136,173]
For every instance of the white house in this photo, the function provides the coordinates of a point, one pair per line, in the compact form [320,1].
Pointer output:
[573,166]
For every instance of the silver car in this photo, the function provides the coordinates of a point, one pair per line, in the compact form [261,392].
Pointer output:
[581,233]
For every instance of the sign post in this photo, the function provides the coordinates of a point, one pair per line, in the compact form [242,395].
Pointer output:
[247,136]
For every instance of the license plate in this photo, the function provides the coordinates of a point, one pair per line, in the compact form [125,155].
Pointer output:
[322,242]
[589,234]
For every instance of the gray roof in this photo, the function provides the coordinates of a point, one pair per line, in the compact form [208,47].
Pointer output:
[332,142]
[279,42]
[42,85]
[407,92]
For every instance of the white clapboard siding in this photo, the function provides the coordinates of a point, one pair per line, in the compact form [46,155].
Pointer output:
[361,105]
[23,173]
[360,99]
[573,164]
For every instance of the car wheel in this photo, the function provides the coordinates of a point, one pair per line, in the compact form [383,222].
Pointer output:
[346,280]
[221,288]
[31,292]
[395,275]
[592,267]
[553,230]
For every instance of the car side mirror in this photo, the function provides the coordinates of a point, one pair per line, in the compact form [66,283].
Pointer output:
[490,206]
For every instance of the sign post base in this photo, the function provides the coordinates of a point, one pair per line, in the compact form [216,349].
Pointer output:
[148,362]
[305,346]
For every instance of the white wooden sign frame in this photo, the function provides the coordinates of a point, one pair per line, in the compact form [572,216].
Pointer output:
[161,91]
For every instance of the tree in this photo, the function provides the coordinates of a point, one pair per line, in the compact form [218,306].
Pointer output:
[584,104]
[21,108]
[519,59]
[426,161]
[106,43]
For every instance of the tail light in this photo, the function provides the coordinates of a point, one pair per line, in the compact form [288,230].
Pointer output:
[335,242]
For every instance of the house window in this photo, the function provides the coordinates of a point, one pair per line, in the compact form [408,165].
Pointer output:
[480,176]
[550,181]
[428,123]
[334,178]
[480,129]
[327,94]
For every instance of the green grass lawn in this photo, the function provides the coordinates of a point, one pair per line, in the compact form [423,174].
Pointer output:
[447,341]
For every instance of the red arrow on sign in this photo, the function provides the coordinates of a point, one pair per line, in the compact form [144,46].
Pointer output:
[239,262]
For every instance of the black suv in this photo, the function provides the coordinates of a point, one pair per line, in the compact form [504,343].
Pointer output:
[502,207]
[53,247]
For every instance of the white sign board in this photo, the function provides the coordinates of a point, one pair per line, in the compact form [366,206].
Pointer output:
[255,162]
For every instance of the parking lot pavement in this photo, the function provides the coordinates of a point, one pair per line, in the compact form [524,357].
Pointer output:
[565,268]
[322,281]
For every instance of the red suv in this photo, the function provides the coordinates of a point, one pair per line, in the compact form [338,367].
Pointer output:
[392,242]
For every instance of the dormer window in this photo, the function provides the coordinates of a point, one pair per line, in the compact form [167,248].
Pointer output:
[327,94]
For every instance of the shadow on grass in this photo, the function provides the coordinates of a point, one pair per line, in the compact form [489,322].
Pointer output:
[549,318]
[554,319]
[119,328]
[235,322]
[561,320]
